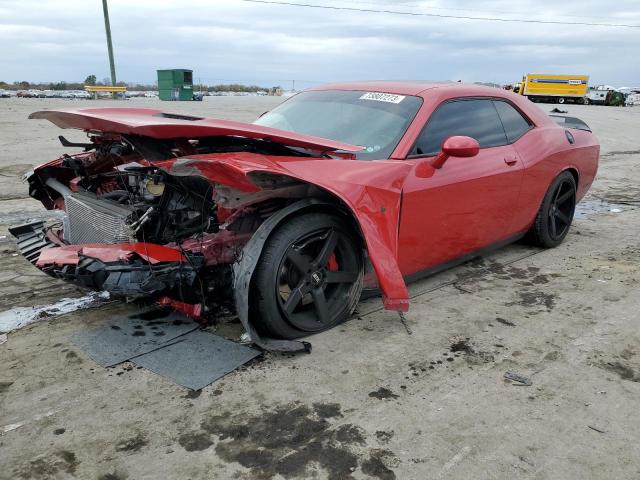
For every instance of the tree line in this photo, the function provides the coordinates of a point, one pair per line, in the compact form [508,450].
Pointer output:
[91,80]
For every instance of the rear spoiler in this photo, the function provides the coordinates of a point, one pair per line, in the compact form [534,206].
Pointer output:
[570,122]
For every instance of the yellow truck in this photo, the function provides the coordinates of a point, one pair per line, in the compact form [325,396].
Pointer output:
[539,87]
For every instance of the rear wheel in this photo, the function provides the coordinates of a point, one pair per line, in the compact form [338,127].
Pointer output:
[556,212]
[309,277]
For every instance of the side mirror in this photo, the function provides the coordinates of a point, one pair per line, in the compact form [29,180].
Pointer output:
[456,146]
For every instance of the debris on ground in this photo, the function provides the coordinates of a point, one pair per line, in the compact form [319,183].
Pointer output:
[596,429]
[403,319]
[518,379]
[19,317]
[166,343]
[123,337]
[506,322]
[197,359]
[557,110]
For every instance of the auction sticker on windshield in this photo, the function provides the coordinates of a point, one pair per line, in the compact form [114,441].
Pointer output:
[382,97]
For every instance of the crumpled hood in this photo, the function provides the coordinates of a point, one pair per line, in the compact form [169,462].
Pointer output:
[158,124]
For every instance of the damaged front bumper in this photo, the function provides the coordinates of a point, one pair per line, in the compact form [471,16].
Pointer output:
[169,276]
[133,270]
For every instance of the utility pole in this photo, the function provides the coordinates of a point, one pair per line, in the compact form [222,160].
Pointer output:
[107,27]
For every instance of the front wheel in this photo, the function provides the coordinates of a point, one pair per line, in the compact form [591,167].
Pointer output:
[556,212]
[561,100]
[309,277]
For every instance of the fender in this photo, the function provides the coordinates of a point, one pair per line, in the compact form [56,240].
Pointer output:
[370,190]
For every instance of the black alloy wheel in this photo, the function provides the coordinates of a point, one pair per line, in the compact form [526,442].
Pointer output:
[561,209]
[309,277]
[555,215]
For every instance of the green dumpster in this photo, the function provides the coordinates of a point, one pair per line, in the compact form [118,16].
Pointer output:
[175,84]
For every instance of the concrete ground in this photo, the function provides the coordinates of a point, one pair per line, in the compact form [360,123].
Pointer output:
[372,400]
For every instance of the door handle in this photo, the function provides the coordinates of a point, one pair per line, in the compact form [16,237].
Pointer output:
[510,160]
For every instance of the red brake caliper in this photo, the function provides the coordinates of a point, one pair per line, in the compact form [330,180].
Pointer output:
[332,264]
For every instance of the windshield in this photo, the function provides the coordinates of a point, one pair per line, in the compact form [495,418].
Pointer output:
[375,121]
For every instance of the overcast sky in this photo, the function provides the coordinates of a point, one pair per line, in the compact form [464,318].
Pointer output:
[233,41]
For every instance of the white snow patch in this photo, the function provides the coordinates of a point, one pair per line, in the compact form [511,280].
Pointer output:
[14,426]
[19,317]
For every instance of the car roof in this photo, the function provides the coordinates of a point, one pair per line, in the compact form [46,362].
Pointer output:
[406,87]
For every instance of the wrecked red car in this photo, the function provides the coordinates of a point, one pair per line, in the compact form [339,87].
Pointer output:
[341,187]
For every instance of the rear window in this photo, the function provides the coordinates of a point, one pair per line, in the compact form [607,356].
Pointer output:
[515,125]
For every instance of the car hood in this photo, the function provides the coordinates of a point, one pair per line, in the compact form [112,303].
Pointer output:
[158,124]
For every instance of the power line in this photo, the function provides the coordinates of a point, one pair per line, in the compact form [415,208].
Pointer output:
[421,14]
[503,12]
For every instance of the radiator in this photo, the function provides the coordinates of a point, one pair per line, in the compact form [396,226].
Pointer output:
[90,220]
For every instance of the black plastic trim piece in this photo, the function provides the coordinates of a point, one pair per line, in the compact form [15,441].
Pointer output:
[243,271]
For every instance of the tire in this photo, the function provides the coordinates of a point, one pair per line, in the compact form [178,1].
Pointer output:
[308,278]
[561,100]
[555,215]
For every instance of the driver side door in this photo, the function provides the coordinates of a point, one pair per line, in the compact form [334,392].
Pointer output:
[469,203]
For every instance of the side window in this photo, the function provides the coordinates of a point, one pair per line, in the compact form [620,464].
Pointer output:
[515,125]
[473,118]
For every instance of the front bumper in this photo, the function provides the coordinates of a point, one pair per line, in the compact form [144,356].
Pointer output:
[132,270]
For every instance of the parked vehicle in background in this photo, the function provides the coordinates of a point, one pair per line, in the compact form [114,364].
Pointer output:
[4,94]
[633,98]
[597,97]
[81,94]
[606,95]
[553,88]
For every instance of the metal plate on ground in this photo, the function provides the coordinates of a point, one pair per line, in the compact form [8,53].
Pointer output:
[124,337]
[197,359]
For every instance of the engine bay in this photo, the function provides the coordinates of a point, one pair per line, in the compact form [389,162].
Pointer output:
[138,203]
[119,190]
[122,200]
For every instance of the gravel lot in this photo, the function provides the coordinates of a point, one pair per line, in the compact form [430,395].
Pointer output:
[371,401]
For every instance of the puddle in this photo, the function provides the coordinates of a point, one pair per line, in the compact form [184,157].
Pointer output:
[587,208]
[19,317]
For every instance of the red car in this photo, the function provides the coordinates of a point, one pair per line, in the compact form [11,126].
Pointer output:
[341,187]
